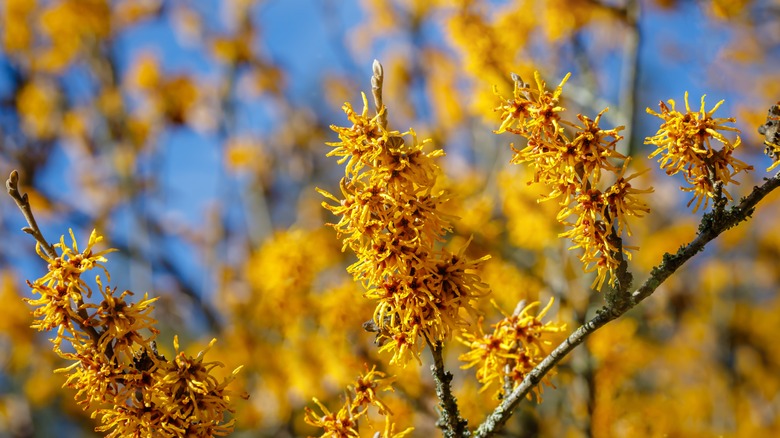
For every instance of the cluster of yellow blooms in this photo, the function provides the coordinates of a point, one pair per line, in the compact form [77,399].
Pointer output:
[117,372]
[391,218]
[684,144]
[344,422]
[518,343]
[572,168]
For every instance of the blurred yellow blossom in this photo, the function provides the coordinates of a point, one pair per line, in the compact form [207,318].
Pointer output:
[246,153]
[38,103]
[362,395]
[145,73]
[69,27]
[177,98]
[128,12]
[16,34]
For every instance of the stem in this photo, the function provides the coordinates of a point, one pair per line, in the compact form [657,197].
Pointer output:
[618,294]
[450,421]
[712,225]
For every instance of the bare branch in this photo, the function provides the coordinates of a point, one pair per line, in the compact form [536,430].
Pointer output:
[12,186]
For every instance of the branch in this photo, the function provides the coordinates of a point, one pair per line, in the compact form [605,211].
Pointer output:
[22,201]
[450,422]
[12,186]
[711,226]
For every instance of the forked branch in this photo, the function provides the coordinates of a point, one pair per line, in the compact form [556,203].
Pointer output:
[711,226]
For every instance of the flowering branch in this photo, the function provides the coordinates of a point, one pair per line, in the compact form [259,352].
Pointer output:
[391,218]
[709,229]
[23,202]
[115,368]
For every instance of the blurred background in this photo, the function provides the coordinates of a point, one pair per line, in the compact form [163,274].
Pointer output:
[192,135]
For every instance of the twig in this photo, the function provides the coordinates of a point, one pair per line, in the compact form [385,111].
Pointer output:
[12,186]
[711,226]
[450,422]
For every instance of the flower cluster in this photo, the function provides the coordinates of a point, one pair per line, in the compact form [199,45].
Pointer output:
[361,396]
[684,144]
[391,218]
[517,344]
[572,167]
[116,371]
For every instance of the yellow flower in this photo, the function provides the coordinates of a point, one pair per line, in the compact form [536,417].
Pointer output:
[62,289]
[533,113]
[366,387]
[362,142]
[622,201]
[122,322]
[193,393]
[95,379]
[402,340]
[517,344]
[340,424]
[591,148]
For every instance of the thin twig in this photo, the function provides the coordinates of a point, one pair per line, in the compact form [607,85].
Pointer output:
[451,423]
[711,226]
[12,186]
